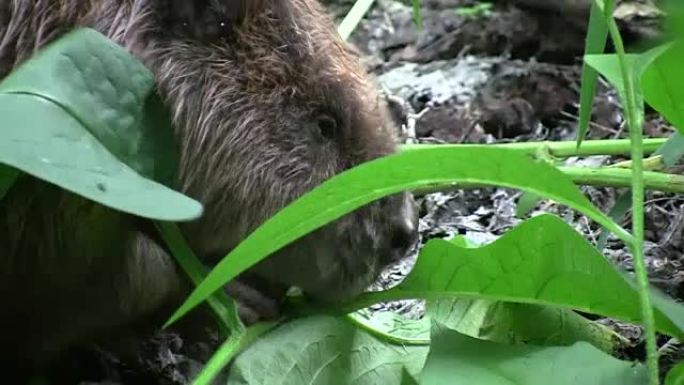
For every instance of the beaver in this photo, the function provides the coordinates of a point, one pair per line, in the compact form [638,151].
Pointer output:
[266,103]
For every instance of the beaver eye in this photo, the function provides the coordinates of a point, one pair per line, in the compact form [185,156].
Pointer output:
[327,125]
[224,28]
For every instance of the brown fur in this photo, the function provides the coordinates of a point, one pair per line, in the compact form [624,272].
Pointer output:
[267,102]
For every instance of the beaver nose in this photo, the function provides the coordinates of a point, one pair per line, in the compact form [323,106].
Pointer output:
[404,229]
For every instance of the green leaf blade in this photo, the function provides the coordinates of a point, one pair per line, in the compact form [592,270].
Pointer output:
[597,35]
[93,79]
[82,114]
[662,82]
[324,350]
[511,323]
[40,139]
[435,166]
[456,359]
[543,261]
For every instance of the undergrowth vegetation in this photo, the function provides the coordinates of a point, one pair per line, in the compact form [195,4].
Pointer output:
[500,313]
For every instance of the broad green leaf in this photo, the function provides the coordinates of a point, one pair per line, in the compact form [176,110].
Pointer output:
[542,261]
[662,83]
[676,375]
[7,177]
[674,22]
[394,327]
[324,350]
[671,309]
[465,315]
[511,323]
[595,43]
[435,166]
[608,65]
[547,326]
[672,150]
[407,378]
[649,67]
[39,138]
[82,114]
[456,359]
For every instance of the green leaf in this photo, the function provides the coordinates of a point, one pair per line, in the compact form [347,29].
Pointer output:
[393,327]
[662,83]
[7,177]
[407,378]
[647,66]
[595,43]
[542,261]
[222,306]
[420,167]
[476,10]
[464,315]
[456,359]
[327,351]
[547,326]
[671,309]
[672,150]
[526,203]
[676,375]
[513,323]
[608,65]
[231,347]
[83,114]
[619,209]
[417,15]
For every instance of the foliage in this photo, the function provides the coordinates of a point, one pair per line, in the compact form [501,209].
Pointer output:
[83,114]
[460,359]
[325,350]
[648,76]
[478,9]
[472,164]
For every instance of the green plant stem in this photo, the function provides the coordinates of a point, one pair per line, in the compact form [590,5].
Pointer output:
[622,177]
[598,177]
[635,132]
[564,149]
[229,349]
[222,306]
[353,18]
[653,163]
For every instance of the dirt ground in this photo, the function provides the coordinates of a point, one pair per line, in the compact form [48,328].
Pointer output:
[480,74]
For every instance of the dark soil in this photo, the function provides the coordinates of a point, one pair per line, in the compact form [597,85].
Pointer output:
[509,74]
